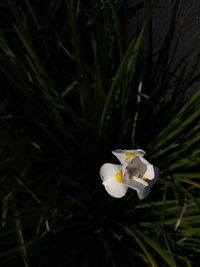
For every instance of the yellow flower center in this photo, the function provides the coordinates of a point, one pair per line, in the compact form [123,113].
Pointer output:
[118,176]
[129,155]
[143,178]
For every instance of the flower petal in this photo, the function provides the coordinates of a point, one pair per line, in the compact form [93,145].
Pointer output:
[152,182]
[123,155]
[140,152]
[110,174]
[134,183]
[147,169]
[141,181]
[143,193]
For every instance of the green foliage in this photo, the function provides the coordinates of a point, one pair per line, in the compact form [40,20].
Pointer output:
[69,96]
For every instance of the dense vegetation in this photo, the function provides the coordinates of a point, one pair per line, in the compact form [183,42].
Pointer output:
[69,95]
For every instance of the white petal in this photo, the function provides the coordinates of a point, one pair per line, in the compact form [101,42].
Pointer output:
[112,186]
[143,193]
[107,170]
[140,152]
[139,180]
[120,155]
[152,182]
[123,155]
[147,169]
[135,183]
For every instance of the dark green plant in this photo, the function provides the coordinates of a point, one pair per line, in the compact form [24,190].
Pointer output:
[69,96]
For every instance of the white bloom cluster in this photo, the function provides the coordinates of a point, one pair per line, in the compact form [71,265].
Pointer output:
[134,172]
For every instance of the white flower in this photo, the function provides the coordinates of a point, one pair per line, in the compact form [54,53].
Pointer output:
[134,172]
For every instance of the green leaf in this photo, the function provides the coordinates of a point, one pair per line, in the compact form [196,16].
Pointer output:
[125,71]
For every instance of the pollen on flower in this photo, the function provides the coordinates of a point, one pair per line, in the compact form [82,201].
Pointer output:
[118,176]
[143,178]
[129,155]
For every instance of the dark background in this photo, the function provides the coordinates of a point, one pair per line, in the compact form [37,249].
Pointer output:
[188,27]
